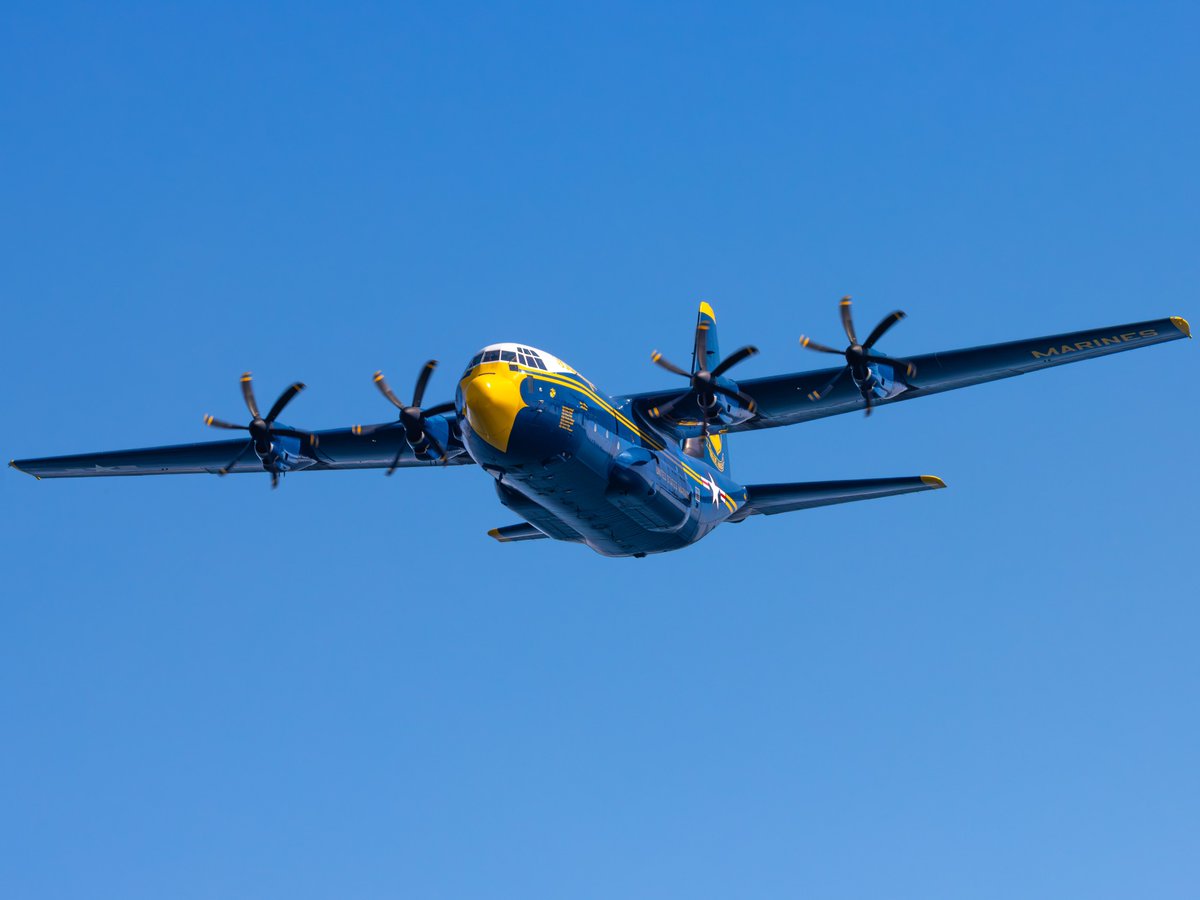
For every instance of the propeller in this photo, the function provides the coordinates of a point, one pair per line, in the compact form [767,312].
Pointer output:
[704,383]
[261,429]
[412,417]
[858,355]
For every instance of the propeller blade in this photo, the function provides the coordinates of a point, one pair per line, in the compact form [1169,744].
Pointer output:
[817,395]
[274,479]
[438,410]
[224,470]
[214,422]
[809,344]
[248,394]
[909,368]
[881,329]
[422,381]
[365,430]
[381,383]
[745,399]
[700,352]
[867,399]
[395,461]
[733,359]
[847,320]
[437,447]
[285,398]
[668,365]
[661,412]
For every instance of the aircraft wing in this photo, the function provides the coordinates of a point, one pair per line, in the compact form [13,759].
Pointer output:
[339,448]
[785,399]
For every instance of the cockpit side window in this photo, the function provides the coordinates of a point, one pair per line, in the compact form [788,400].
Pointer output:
[528,358]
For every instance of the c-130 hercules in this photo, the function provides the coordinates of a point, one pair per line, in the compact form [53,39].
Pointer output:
[625,475]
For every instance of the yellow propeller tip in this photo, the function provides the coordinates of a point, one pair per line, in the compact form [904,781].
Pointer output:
[933,481]
[379,376]
[845,300]
[246,376]
[804,341]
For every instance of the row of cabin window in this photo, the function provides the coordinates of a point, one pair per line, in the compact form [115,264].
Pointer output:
[521,355]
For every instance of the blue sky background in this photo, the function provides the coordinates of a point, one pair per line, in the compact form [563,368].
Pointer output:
[343,688]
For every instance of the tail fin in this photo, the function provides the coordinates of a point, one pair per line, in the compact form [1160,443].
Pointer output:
[715,450]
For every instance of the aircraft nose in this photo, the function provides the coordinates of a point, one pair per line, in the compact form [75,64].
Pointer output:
[491,401]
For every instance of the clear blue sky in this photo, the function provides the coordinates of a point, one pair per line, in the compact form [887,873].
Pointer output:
[344,689]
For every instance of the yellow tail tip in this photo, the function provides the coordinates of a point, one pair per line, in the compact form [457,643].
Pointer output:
[707,310]
[933,481]
[1182,324]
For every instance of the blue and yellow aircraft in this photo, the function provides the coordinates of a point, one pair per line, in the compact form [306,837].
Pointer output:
[627,475]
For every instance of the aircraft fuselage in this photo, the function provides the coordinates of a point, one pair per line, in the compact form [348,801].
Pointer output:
[572,463]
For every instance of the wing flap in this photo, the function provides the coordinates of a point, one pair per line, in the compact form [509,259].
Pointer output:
[772,499]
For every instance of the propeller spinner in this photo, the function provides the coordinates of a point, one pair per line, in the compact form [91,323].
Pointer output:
[857,355]
[412,417]
[261,429]
[704,383]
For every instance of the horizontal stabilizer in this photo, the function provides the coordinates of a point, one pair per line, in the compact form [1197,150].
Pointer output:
[770,499]
[521,532]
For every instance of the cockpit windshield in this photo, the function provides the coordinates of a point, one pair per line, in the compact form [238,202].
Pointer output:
[511,353]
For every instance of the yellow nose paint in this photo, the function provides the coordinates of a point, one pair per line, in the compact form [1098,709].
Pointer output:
[492,400]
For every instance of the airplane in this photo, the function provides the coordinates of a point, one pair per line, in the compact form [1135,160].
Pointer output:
[624,475]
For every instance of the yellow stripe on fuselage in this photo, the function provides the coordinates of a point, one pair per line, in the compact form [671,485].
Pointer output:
[563,381]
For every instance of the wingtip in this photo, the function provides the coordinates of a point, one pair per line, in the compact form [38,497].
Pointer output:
[12,464]
[495,534]
[1182,324]
[933,481]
